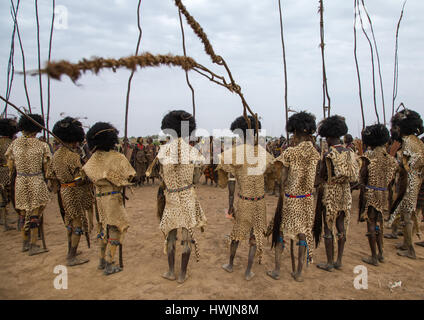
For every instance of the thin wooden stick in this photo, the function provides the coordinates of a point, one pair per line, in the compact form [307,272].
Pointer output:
[378,61]
[48,77]
[286,106]
[11,64]
[396,71]
[39,63]
[33,121]
[186,72]
[15,19]
[372,61]
[326,96]
[127,101]
[357,64]
[216,59]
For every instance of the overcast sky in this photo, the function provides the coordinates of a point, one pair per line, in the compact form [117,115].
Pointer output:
[245,32]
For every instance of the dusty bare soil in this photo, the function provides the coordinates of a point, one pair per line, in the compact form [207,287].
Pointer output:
[24,277]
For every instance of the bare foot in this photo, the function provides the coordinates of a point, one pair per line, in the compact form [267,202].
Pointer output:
[76,261]
[182,278]
[35,249]
[421,244]
[390,236]
[249,275]
[401,246]
[297,277]
[407,253]
[370,260]
[325,266]
[338,266]
[273,274]
[169,275]
[380,258]
[228,267]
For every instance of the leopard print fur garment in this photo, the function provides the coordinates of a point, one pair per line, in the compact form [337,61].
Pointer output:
[110,171]
[182,209]
[250,183]
[298,213]
[411,155]
[4,171]
[65,167]
[342,168]
[382,169]
[31,158]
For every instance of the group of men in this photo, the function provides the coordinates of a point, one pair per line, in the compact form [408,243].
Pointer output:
[315,187]
[141,155]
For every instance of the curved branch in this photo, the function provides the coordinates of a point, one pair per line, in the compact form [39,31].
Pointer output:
[378,61]
[396,72]
[372,61]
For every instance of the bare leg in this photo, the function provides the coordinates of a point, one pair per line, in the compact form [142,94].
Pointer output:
[34,223]
[301,258]
[4,212]
[380,237]
[185,256]
[102,254]
[72,259]
[407,235]
[69,235]
[341,239]
[371,234]
[275,274]
[252,251]
[114,241]
[329,249]
[171,240]
[394,233]
[233,249]
[420,210]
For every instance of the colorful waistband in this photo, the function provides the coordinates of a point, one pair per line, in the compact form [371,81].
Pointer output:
[23,174]
[376,188]
[250,198]
[66,185]
[298,197]
[180,189]
[71,184]
[107,193]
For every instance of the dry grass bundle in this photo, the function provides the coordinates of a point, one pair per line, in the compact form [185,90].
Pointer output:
[199,32]
[75,70]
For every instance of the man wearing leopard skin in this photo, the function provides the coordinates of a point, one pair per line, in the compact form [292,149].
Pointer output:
[179,161]
[109,171]
[74,194]
[377,174]
[179,166]
[247,163]
[338,168]
[30,157]
[406,126]
[294,215]
[8,129]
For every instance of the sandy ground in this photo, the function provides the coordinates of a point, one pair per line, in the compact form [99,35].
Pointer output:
[24,277]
